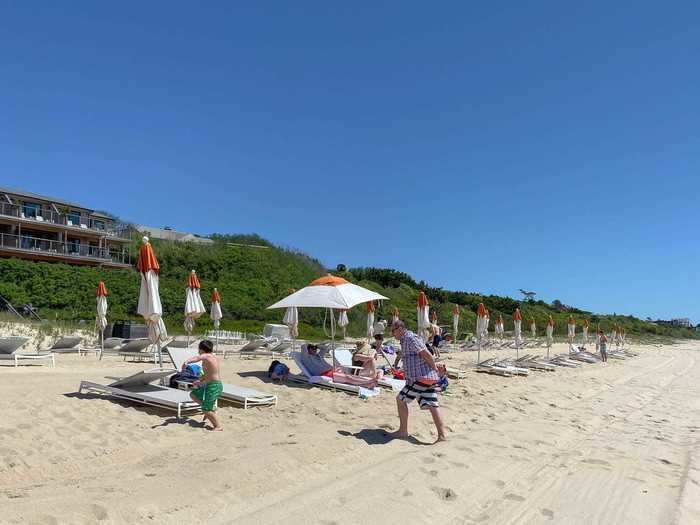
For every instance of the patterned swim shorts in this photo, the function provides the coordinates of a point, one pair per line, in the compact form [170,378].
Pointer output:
[424,393]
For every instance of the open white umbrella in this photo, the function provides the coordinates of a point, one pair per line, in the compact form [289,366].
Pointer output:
[517,330]
[101,318]
[370,320]
[571,332]
[149,306]
[194,307]
[550,334]
[423,313]
[334,293]
[215,313]
[343,322]
[455,325]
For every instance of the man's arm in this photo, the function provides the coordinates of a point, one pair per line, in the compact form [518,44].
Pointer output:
[191,360]
[428,358]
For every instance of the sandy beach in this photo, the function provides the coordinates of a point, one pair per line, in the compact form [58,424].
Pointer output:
[615,443]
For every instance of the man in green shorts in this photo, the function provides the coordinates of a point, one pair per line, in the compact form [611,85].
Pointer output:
[208,390]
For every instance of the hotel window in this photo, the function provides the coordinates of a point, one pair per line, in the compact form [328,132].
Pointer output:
[73,245]
[74,217]
[98,225]
[31,210]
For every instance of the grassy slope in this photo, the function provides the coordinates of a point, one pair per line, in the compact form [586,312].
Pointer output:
[249,280]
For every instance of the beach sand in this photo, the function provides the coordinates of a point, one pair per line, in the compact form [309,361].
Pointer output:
[615,443]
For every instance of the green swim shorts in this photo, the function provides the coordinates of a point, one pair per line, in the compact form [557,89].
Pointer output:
[208,393]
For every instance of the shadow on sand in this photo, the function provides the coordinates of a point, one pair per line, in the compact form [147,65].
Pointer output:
[378,436]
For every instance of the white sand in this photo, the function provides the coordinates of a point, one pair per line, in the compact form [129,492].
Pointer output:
[615,443]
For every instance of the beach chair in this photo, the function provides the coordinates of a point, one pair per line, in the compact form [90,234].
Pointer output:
[491,366]
[111,344]
[66,345]
[141,388]
[252,349]
[9,351]
[343,357]
[306,378]
[247,397]
[136,350]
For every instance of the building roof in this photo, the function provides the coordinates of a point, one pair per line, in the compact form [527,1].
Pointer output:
[168,234]
[30,195]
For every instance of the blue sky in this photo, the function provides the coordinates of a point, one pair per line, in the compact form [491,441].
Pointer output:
[550,146]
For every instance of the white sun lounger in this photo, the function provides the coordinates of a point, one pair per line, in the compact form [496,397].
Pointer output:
[141,388]
[343,357]
[9,351]
[306,378]
[247,397]
[137,349]
[277,349]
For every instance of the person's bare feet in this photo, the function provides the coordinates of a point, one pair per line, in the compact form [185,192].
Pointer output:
[217,429]
[397,435]
[440,439]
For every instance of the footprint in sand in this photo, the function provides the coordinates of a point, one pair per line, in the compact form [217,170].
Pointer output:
[514,497]
[596,462]
[500,483]
[547,514]
[445,494]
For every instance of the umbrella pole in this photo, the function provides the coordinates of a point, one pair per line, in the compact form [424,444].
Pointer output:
[102,343]
[160,356]
[478,352]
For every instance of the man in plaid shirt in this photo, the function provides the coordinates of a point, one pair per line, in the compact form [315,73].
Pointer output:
[422,376]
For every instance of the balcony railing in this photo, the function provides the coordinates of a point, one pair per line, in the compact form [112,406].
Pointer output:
[51,217]
[63,249]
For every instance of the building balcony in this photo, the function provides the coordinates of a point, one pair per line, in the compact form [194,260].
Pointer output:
[25,247]
[50,220]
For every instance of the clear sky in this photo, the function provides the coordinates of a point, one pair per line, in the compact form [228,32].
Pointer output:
[552,146]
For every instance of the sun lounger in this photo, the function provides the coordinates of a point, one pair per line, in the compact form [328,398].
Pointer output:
[66,345]
[141,388]
[343,357]
[267,349]
[110,344]
[137,350]
[9,351]
[327,382]
[248,350]
[247,397]
[490,366]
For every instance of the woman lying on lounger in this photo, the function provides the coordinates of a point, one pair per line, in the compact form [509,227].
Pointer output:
[318,366]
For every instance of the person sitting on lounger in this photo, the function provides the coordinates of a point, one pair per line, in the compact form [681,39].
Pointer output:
[366,357]
[207,390]
[314,362]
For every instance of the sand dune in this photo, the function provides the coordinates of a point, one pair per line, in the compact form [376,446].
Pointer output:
[615,443]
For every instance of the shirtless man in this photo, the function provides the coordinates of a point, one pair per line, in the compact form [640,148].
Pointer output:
[209,388]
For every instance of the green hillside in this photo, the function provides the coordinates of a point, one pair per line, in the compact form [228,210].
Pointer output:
[251,278]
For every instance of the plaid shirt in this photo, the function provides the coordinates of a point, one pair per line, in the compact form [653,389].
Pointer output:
[415,368]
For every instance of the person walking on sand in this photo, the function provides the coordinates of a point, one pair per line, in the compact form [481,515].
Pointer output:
[603,346]
[209,388]
[421,373]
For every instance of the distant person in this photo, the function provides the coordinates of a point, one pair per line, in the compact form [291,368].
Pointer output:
[207,390]
[603,346]
[422,378]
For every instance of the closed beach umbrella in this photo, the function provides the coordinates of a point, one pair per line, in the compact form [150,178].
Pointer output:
[585,331]
[550,333]
[455,323]
[101,318]
[423,309]
[370,319]
[194,307]
[487,320]
[343,321]
[533,327]
[571,328]
[149,306]
[480,322]
[396,316]
[517,328]
[499,327]
[215,312]
[291,319]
